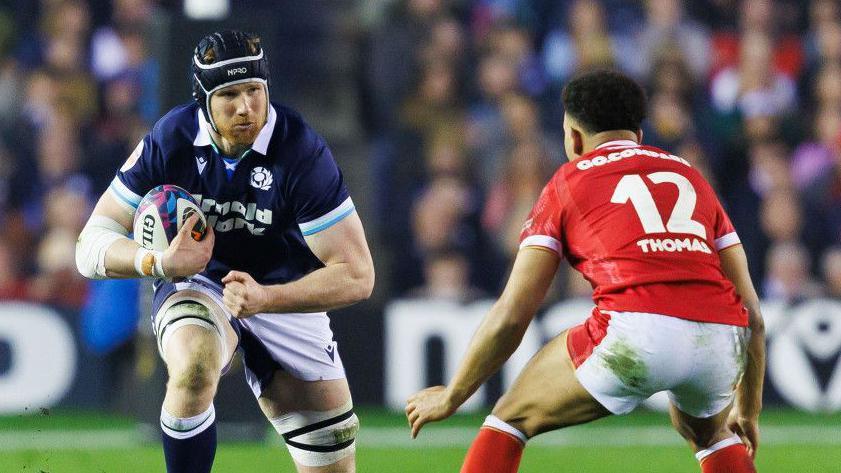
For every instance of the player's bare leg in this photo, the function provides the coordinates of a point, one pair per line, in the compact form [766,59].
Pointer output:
[546,396]
[195,356]
[193,366]
[716,446]
[320,416]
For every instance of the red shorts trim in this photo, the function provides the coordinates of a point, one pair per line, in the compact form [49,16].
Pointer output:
[583,338]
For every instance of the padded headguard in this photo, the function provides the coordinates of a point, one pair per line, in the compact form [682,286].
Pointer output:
[226,58]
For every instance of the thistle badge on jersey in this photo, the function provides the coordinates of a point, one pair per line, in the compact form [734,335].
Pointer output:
[261,178]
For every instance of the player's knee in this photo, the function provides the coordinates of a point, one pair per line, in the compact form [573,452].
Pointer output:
[318,439]
[193,366]
[196,377]
[698,437]
[522,416]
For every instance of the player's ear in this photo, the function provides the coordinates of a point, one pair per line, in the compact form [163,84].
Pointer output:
[577,142]
[639,135]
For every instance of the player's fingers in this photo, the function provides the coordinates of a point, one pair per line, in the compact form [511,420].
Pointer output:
[234,276]
[233,302]
[753,437]
[209,236]
[229,294]
[736,428]
[188,224]
[229,304]
[412,399]
[416,427]
[235,309]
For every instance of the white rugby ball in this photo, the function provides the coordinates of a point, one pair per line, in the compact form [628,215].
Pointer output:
[161,214]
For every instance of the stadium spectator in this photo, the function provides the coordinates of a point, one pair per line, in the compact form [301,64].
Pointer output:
[445,155]
[66,208]
[117,130]
[486,128]
[436,101]
[781,216]
[667,26]
[766,18]
[820,40]
[442,215]
[523,124]
[823,201]
[788,276]
[114,45]
[584,43]
[827,86]
[831,269]
[754,87]
[514,192]
[670,74]
[515,44]
[813,158]
[394,48]
[13,286]
[670,121]
[447,276]
[769,169]
[446,42]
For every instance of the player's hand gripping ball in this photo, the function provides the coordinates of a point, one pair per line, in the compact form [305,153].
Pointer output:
[160,215]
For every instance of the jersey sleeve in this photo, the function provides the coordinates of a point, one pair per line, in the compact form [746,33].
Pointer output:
[543,226]
[142,171]
[724,233]
[318,194]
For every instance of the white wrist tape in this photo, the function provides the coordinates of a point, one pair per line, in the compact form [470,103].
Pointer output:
[97,236]
[149,263]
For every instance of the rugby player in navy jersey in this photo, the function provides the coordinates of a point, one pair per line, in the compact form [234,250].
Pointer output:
[284,244]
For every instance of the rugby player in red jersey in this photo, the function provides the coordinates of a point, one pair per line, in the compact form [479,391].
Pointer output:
[675,310]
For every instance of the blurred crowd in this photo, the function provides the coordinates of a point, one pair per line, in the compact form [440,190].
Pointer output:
[461,109]
[464,118]
[78,90]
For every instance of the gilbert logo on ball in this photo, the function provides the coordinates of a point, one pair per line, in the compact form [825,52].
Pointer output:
[160,215]
[261,178]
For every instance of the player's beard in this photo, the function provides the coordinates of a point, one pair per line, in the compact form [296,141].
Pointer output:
[244,137]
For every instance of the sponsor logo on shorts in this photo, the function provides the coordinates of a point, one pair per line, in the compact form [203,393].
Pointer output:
[331,352]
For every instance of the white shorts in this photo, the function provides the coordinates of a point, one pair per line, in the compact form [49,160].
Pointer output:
[640,354]
[300,344]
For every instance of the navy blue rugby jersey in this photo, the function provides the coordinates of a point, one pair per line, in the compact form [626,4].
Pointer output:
[260,206]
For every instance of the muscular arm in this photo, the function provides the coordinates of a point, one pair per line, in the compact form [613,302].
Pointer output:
[346,278]
[183,257]
[119,259]
[749,393]
[502,330]
[103,241]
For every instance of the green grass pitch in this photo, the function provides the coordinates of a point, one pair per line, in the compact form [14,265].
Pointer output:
[641,442]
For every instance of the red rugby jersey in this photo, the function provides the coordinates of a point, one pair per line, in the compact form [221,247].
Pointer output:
[644,228]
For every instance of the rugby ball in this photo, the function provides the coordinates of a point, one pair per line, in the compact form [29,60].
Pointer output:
[160,215]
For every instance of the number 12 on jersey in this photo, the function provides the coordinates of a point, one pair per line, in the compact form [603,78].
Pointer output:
[632,187]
